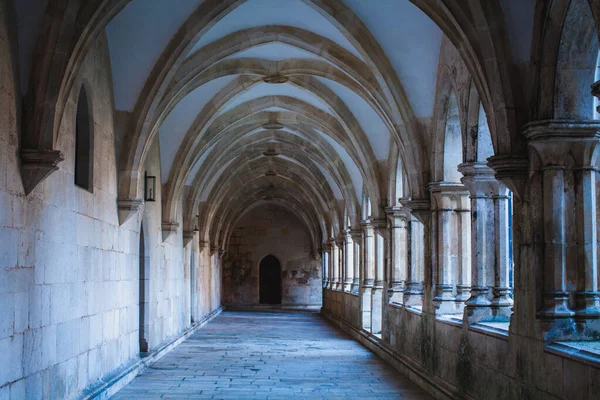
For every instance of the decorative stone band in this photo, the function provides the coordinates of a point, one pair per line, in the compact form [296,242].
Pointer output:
[128,208]
[188,236]
[512,170]
[37,165]
[168,228]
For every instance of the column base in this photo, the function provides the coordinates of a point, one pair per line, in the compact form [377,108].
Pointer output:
[347,286]
[396,296]
[355,287]
[445,302]
[588,305]
[413,295]
[463,293]
[556,305]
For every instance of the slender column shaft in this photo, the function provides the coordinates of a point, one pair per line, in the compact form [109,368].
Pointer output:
[348,262]
[325,265]
[357,256]
[489,245]
[451,239]
[369,257]
[555,284]
[368,277]
[587,296]
[336,265]
[331,267]
[398,254]
[413,295]
[502,300]
[377,292]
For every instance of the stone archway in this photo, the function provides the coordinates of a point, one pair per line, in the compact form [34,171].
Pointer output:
[270,280]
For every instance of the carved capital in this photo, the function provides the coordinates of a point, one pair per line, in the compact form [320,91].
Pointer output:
[480,180]
[356,235]
[168,228]
[188,236]
[397,216]
[419,208]
[449,196]
[512,170]
[560,142]
[127,208]
[37,165]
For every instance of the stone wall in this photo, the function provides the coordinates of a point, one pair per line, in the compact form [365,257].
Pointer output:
[454,361]
[69,272]
[268,229]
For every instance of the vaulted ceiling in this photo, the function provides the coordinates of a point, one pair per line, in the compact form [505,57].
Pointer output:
[307,103]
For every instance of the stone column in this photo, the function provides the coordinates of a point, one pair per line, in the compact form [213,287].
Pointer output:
[331,280]
[568,154]
[490,293]
[379,284]
[340,243]
[356,242]
[450,246]
[335,262]
[368,273]
[348,261]
[325,264]
[418,244]
[399,253]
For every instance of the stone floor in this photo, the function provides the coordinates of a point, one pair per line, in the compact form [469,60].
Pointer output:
[270,355]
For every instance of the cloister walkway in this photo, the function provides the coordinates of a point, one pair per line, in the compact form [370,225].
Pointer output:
[270,355]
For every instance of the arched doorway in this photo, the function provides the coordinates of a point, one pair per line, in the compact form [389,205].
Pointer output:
[143,293]
[270,280]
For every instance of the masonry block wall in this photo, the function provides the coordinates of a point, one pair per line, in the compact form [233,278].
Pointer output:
[69,272]
[269,229]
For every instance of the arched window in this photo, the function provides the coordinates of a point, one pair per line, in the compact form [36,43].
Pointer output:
[84,143]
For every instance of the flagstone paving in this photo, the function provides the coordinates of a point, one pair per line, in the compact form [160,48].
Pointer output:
[270,355]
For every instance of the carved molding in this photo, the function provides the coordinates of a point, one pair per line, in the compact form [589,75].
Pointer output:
[168,228]
[37,165]
[127,208]
[512,170]
[419,208]
[188,236]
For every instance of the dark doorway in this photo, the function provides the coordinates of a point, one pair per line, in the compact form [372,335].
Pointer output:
[270,280]
[143,294]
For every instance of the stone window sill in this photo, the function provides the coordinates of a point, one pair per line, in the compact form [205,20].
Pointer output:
[495,329]
[587,352]
[450,319]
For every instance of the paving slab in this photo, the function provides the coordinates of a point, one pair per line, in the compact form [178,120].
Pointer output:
[271,355]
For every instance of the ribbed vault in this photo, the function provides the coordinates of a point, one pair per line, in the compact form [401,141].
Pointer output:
[308,103]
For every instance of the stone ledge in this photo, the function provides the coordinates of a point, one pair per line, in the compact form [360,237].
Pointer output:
[576,353]
[490,331]
[435,386]
[114,381]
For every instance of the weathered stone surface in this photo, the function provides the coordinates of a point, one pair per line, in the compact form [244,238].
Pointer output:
[271,355]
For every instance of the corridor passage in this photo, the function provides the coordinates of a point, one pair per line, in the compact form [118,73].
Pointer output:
[242,355]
